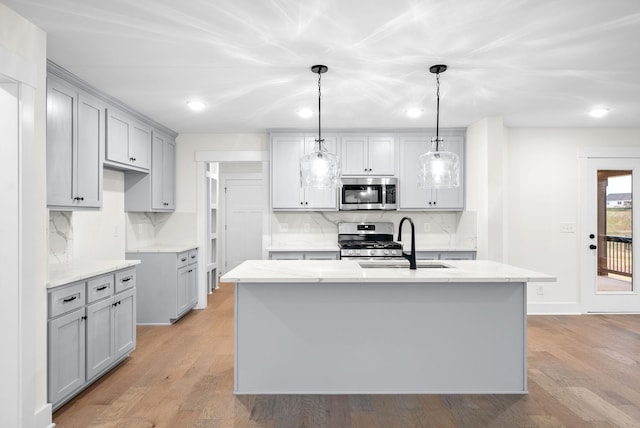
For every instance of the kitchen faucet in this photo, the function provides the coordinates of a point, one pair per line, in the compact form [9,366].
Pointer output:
[412,256]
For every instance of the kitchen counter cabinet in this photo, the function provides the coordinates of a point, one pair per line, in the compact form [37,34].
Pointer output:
[91,329]
[286,192]
[304,255]
[167,285]
[413,197]
[333,327]
[75,143]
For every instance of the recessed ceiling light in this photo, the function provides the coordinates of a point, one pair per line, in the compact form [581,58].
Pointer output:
[305,113]
[599,112]
[196,105]
[414,112]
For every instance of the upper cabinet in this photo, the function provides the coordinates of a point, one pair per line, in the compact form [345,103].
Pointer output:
[154,191]
[413,197]
[128,142]
[75,143]
[367,155]
[286,191]
[87,130]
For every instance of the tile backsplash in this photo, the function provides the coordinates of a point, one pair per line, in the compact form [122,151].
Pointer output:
[60,237]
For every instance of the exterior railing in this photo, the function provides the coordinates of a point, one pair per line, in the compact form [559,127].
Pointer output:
[619,255]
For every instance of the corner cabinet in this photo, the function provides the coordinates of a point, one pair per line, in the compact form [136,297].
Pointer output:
[286,192]
[128,142]
[154,191]
[167,285]
[75,143]
[413,197]
[91,328]
[367,155]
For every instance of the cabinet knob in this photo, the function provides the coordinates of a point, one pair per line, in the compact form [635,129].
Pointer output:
[592,247]
[301,203]
[592,236]
[306,203]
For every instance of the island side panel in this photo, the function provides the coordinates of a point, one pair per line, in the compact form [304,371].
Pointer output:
[341,338]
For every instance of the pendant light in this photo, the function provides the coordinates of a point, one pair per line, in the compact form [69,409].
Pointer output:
[438,168]
[320,169]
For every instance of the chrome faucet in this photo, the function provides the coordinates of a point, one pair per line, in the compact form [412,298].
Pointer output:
[411,256]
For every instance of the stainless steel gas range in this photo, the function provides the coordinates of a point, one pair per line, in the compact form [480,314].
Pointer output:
[368,241]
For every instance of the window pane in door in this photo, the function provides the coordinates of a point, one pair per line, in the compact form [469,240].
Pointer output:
[615,236]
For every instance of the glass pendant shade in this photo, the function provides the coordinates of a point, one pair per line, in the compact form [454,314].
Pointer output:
[438,169]
[320,169]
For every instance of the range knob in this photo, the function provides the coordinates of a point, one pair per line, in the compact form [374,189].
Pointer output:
[372,252]
[350,252]
[386,252]
[393,252]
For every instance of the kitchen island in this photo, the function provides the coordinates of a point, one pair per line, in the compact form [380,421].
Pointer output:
[336,327]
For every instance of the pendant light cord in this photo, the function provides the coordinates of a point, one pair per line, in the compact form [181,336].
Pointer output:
[437,112]
[319,140]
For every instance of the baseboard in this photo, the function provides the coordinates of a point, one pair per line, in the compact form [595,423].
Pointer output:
[554,308]
[43,417]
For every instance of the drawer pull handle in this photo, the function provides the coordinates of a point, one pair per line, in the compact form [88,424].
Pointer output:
[104,287]
[193,257]
[183,260]
[190,270]
[70,299]
[127,279]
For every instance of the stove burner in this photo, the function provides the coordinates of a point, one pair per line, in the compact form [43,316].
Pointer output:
[370,244]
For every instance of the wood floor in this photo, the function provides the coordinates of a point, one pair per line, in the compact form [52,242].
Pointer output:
[584,371]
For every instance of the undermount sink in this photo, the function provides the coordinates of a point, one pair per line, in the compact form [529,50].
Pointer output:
[402,265]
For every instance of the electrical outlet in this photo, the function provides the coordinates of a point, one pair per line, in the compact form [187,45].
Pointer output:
[426,227]
[115,231]
[307,227]
[540,290]
[283,227]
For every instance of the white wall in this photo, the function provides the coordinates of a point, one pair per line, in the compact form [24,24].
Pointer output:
[543,187]
[23,58]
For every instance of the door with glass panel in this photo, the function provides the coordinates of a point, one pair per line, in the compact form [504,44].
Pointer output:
[608,256]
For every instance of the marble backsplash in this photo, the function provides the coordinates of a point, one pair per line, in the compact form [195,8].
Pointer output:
[434,230]
[157,228]
[60,237]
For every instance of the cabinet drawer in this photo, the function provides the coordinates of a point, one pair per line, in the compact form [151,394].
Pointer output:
[125,279]
[183,259]
[100,287]
[193,256]
[65,299]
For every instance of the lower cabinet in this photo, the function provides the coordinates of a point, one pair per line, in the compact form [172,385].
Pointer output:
[445,255]
[91,329]
[166,285]
[304,255]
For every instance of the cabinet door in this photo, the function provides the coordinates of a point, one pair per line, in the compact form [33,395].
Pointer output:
[183,290]
[410,195]
[140,146]
[169,175]
[325,199]
[353,155]
[66,355]
[100,347]
[124,322]
[118,135]
[451,199]
[286,255]
[193,284]
[381,155]
[163,160]
[321,255]
[91,131]
[286,152]
[61,136]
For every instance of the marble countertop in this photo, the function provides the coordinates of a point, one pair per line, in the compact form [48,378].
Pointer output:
[65,273]
[334,247]
[162,248]
[350,271]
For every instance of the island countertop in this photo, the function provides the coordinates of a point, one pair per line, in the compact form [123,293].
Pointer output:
[296,271]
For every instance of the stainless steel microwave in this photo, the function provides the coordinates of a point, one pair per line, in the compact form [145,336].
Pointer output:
[368,193]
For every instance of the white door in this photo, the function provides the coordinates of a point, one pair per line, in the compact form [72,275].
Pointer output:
[244,211]
[610,222]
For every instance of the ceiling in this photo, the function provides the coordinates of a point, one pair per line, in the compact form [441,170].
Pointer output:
[535,63]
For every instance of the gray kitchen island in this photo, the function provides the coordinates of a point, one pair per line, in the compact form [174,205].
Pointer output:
[339,327]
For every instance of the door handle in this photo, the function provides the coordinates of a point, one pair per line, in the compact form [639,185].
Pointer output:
[592,247]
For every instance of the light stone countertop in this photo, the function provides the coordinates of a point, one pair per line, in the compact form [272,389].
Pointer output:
[334,247]
[161,248]
[66,273]
[288,271]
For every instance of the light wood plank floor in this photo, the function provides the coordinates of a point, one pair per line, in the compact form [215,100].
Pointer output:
[584,371]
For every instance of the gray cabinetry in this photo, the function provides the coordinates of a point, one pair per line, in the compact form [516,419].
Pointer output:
[304,255]
[166,285]
[367,155]
[128,144]
[91,329]
[445,255]
[154,191]
[286,191]
[75,143]
[413,197]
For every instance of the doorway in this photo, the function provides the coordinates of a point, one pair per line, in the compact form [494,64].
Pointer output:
[608,256]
